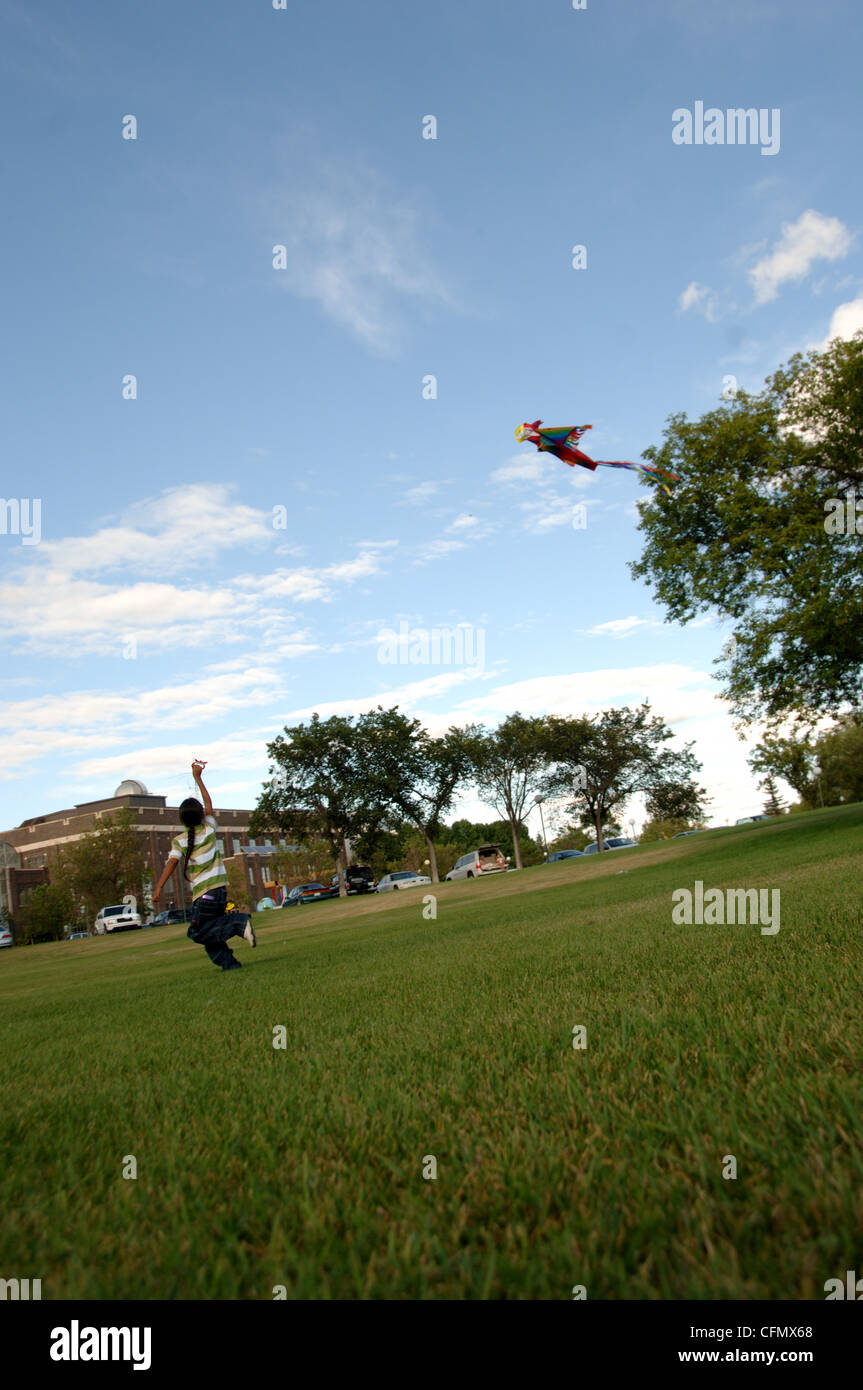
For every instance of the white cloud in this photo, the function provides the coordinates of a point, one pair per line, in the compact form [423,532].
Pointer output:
[155,533]
[521,468]
[702,299]
[91,720]
[539,519]
[813,237]
[619,627]
[55,604]
[847,319]
[421,492]
[436,550]
[356,250]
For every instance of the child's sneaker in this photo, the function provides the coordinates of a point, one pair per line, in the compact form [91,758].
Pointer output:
[249,933]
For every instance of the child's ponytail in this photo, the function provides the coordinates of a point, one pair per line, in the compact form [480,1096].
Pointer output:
[192,815]
[190,845]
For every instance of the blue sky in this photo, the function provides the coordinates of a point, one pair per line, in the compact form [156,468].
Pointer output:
[162,613]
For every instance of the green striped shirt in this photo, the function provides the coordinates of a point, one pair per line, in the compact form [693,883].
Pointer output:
[206,869]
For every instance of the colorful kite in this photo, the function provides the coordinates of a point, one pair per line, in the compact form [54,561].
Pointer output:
[562,441]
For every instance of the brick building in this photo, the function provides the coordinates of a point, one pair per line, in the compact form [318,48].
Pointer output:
[27,851]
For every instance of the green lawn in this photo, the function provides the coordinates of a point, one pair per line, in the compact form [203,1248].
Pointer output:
[406,1037]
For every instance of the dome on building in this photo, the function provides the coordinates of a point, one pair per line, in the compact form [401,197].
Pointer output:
[131,788]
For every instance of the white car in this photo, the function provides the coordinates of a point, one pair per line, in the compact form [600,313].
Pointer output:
[485,860]
[404,878]
[6,937]
[116,918]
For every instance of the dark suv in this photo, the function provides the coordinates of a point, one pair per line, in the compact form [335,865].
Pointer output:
[173,914]
[358,879]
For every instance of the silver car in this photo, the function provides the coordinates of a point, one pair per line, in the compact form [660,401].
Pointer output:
[403,878]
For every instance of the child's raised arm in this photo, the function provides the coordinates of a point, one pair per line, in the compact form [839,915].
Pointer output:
[197,767]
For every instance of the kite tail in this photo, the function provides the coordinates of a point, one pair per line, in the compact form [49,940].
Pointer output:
[658,474]
[649,470]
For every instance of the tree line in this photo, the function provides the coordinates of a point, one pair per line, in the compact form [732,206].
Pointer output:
[358,779]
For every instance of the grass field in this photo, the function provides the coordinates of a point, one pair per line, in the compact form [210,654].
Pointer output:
[453,1037]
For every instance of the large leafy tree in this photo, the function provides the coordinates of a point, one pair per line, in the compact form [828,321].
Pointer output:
[791,757]
[746,536]
[509,763]
[601,762]
[682,802]
[413,776]
[840,756]
[45,911]
[319,787]
[104,865]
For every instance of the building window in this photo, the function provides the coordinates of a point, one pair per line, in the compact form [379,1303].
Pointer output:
[252,877]
[236,845]
[252,842]
[220,846]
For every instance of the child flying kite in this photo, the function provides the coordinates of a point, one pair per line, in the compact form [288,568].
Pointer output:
[212,926]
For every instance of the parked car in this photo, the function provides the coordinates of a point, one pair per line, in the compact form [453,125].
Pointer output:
[485,860]
[173,914]
[565,854]
[403,878]
[307,893]
[616,842]
[114,919]
[6,937]
[77,936]
[750,820]
[680,834]
[358,879]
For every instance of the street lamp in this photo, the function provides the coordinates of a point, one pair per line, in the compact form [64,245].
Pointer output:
[538,801]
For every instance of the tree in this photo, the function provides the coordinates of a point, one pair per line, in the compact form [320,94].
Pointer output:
[746,536]
[791,757]
[660,829]
[319,787]
[772,805]
[508,764]
[105,865]
[604,760]
[45,911]
[466,835]
[239,888]
[411,774]
[571,836]
[682,802]
[304,863]
[840,755]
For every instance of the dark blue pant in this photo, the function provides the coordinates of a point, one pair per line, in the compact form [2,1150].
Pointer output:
[212,927]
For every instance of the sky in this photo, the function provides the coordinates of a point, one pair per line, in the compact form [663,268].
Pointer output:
[279,285]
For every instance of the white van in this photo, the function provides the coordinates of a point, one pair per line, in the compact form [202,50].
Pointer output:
[116,918]
[485,860]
